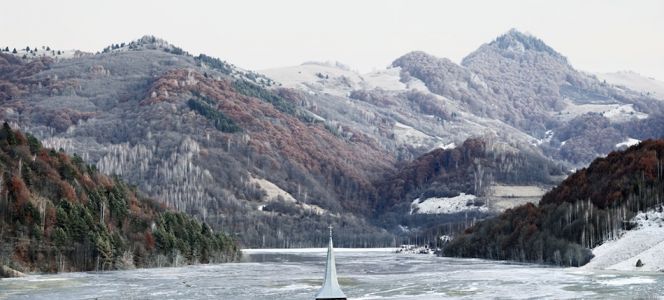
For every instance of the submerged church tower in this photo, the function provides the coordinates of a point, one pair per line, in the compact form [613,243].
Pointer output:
[330,289]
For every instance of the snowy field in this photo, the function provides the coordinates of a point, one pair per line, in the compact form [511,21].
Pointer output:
[614,112]
[363,274]
[407,135]
[503,197]
[645,243]
[337,79]
[634,81]
[446,205]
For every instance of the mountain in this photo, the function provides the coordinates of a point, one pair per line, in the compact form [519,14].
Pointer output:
[299,148]
[634,81]
[203,137]
[590,207]
[60,214]
[516,86]
[463,183]
[523,82]
[518,95]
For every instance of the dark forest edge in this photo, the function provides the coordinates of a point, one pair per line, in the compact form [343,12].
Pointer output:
[60,214]
[588,208]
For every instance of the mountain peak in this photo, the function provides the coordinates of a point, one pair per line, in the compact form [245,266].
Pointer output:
[517,41]
[145,42]
[419,57]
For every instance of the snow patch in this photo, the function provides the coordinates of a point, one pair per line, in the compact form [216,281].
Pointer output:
[512,191]
[274,192]
[614,112]
[446,205]
[502,197]
[634,81]
[548,135]
[628,143]
[646,243]
[389,80]
[324,78]
[339,80]
[624,113]
[404,228]
[407,135]
[447,146]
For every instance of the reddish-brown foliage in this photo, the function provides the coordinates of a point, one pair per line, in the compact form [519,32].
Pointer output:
[438,165]
[19,192]
[67,191]
[346,163]
[604,181]
[149,240]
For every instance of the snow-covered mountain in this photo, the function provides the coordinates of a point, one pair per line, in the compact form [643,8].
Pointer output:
[635,81]
[203,137]
[319,141]
[516,88]
[524,99]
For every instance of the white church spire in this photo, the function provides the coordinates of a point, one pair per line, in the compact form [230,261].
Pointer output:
[330,288]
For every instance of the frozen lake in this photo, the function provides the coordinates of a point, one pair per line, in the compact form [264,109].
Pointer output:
[374,274]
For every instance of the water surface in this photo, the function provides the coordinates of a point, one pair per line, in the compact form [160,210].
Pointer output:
[363,275]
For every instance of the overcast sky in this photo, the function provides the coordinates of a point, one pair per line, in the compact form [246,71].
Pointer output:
[597,36]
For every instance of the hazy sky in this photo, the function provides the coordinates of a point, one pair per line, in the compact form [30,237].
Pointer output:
[598,36]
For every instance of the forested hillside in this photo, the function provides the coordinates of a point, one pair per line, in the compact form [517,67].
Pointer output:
[203,137]
[58,213]
[520,80]
[473,169]
[588,208]
[276,160]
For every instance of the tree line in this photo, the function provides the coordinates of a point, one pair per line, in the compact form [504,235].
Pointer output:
[59,214]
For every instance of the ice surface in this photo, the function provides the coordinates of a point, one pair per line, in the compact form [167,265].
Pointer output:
[363,274]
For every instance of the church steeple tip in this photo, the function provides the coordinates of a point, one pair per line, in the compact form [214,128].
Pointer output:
[330,289]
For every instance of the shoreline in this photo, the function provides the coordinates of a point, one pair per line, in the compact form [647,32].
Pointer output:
[313,250]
